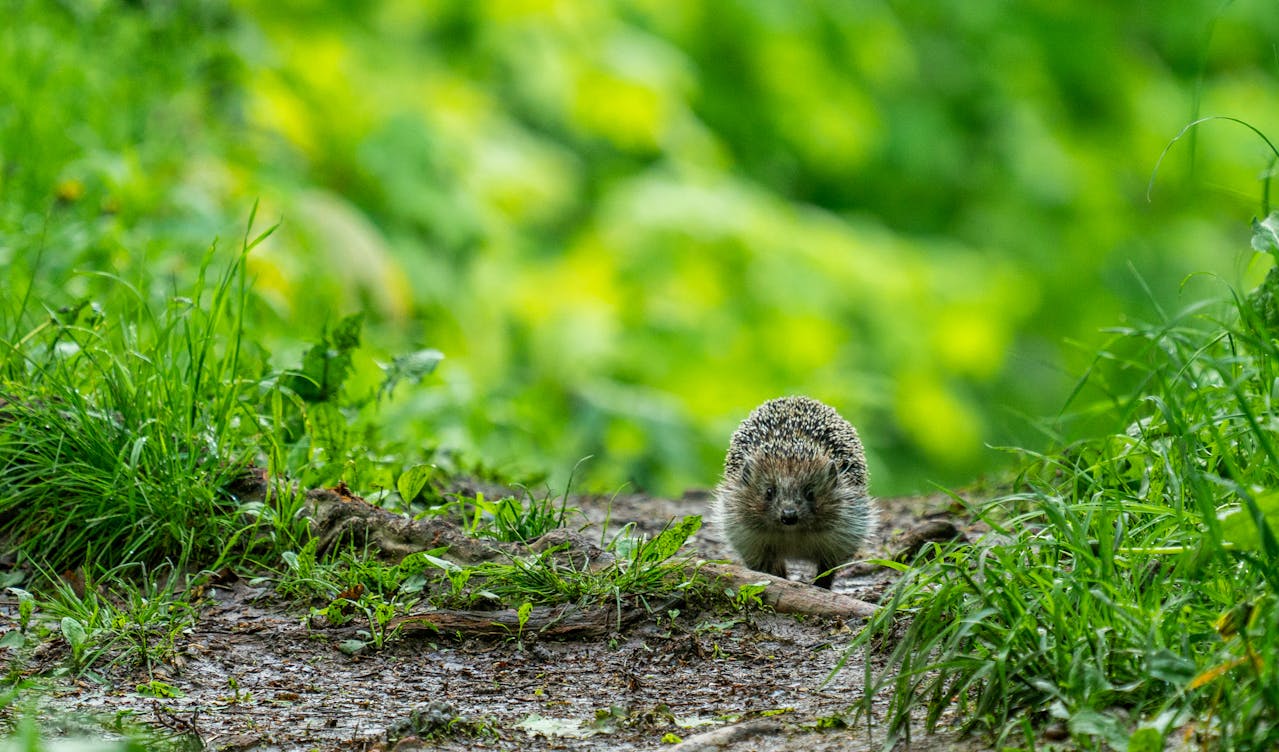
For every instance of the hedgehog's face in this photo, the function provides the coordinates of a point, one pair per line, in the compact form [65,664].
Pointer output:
[789,493]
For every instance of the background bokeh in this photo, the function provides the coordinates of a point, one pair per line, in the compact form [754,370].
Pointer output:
[627,222]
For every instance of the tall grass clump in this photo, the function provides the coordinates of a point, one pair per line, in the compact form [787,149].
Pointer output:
[1128,588]
[123,421]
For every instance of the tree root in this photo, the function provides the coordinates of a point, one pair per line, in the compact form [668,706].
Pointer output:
[791,597]
[339,518]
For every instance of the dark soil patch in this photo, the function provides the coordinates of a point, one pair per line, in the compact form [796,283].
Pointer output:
[253,675]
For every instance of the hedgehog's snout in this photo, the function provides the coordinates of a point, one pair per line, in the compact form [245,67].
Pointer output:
[788,515]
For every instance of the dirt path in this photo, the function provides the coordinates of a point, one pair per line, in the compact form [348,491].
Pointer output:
[252,675]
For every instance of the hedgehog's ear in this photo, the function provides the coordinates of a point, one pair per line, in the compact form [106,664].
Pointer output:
[748,469]
[831,474]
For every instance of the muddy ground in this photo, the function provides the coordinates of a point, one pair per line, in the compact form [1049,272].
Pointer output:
[253,675]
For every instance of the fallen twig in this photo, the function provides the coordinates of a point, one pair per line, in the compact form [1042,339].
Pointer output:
[790,597]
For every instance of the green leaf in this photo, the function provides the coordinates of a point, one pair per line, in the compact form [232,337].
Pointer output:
[1088,722]
[412,481]
[1238,527]
[352,647]
[413,367]
[444,564]
[136,454]
[74,633]
[346,336]
[413,584]
[327,364]
[12,639]
[1166,665]
[1265,233]
[670,540]
[1146,739]
[551,727]
[26,606]
[158,689]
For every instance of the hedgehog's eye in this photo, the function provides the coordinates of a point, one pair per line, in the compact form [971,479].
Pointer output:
[810,495]
[770,493]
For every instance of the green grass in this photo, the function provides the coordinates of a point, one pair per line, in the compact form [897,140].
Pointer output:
[351,585]
[1128,587]
[123,424]
[508,518]
[641,567]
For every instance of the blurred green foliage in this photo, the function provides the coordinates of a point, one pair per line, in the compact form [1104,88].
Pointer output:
[626,223]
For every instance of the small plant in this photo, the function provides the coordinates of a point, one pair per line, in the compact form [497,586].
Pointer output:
[26,608]
[303,576]
[379,614]
[523,520]
[748,596]
[158,689]
[522,614]
[238,695]
[121,618]
[77,637]
[509,519]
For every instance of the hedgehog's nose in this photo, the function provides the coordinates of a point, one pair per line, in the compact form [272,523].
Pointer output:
[789,516]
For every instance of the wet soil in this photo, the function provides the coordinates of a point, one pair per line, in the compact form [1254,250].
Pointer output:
[252,674]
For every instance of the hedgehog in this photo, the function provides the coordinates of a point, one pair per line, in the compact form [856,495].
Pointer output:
[794,487]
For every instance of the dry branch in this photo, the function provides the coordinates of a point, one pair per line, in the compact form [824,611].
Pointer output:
[728,737]
[790,597]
